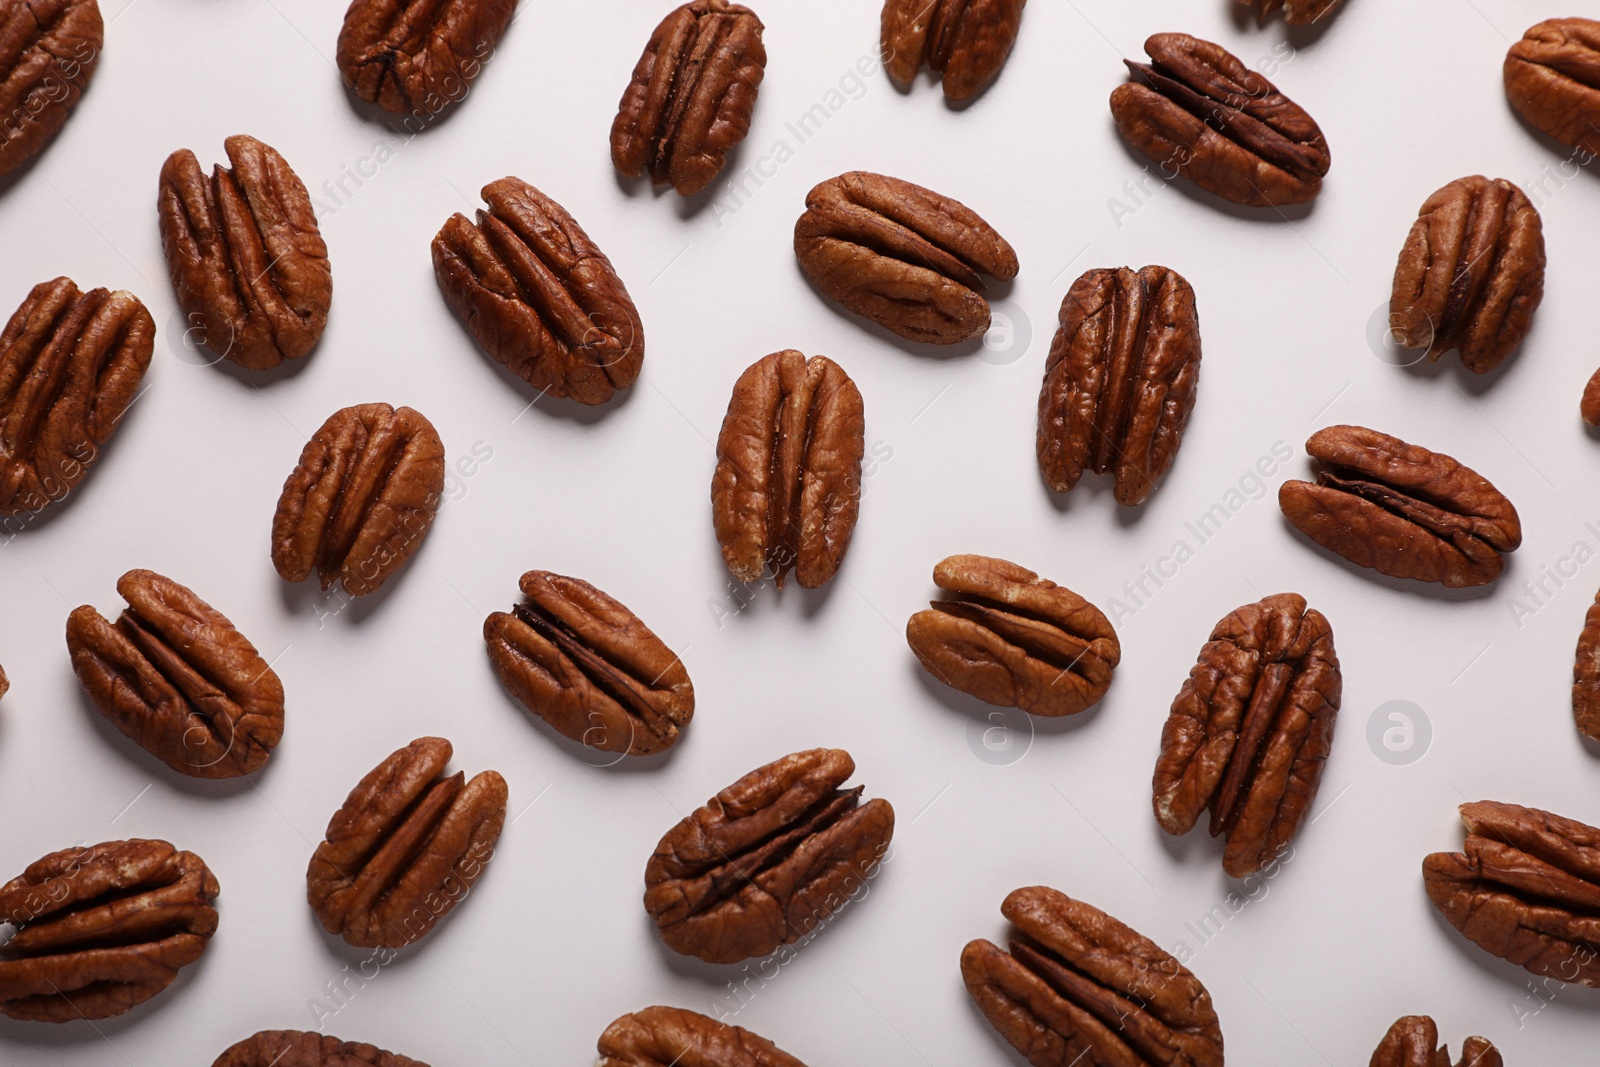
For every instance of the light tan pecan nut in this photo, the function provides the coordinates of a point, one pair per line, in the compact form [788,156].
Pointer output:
[966,41]
[48,52]
[664,1037]
[1552,78]
[418,57]
[1413,1041]
[300,1048]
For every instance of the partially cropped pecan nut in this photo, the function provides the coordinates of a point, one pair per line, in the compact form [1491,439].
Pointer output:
[539,296]
[1295,12]
[1413,1041]
[1402,510]
[1120,380]
[247,261]
[691,96]
[48,52]
[1552,78]
[787,487]
[901,255]
[662,1037]
[1197,111]
[1080,988]
[1585,675]
[766,861]
[361,499]
[418,57]
[405,848]
[1250,731]
[966,41]
[70,364]
[102,928]
[1590,405]
[300,1048]
[175,676]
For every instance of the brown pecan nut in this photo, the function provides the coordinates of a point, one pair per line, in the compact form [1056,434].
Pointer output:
[247,262]
[1413,1041]
[1196,110]
[48,52]
[299,1048]
[787,487]
[405,848]
[691,96]
[589,667]
[966,41]
[70,364]
[1585,675]
[1402,510]
[1250,731]
[766,861]
[5,683]
[1080,988]
[418,57]
[175,676]
[361,499]
[1295,12]
[538,295]
[1590,405]
[1120,380]
[1552,78]
[102,928]
[664,1037]
[901,255]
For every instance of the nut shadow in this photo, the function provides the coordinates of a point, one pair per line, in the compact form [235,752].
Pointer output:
[1192,192]
[1553,146]
[288,369]
[1099,487]
[297,596]
[554,406]
[202,788]
[1409,586]
[686,207]
[1468,381]
[1578,996]
[970,707]
[995,291]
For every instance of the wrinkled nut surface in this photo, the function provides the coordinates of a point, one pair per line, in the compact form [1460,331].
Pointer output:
[766,861]
[70,364]
[175,676]
[361,499]
[1552,78]
[1585,675]
[539,296]
[691,96]
[1590,406]
[1014,639]
[102,928]
[1080,989]
[300,1048]
[1471,273]
[1402,510]
[901,255]
[787,488]
[1196,110]
[48,52]
[966,41]
[418,57]
[1120,380]
[247,261]
[1250,731]
[1295,12]
[677,1037]
[585,664]
[405,848]
[1413,1041]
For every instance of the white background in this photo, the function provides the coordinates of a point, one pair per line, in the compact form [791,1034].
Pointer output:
[554,943]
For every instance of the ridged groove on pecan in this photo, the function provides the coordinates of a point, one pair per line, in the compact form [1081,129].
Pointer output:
[1552,78]
[405,848]
[418,56]
[1250,731]
[1295,12]
[70,364]
[102,928]
[1413,1041]
[1586,675]
[966,41]
[677,1037]
[300,1048]
[767,860]
[48,52]
[175,676]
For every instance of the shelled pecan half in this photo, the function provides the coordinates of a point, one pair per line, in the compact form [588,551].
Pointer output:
[300,1048]
[1413,1041]
[664,1037]
[48,52]
[418,57]
[966,41]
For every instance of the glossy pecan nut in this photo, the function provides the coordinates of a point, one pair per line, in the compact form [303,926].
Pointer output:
[901,255]
[1585,675]
[691,96]
[5,683]
[787,488]
[1590,405]
[1552,78]
[300,1048]
[1295,12]
[418,57]
[1413,1041]
[361,499]
[1250,731]
[1197,111]
[1120,380]
[664,1037]
[1080,989]
[1014,639]
[175,676]
[405,848]
[585,664]
[766,861]
[102,928]
[70,364]
[1402,510]
[965,41]
[247,261]
[539,296]
[48,52]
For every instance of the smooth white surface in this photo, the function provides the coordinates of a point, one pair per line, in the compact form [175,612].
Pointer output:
[553,943]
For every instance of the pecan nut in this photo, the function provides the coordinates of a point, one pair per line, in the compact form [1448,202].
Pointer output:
[965,41]
[247,261]
[1196,110]
[361,499]
[418,57]
[1120,380]
[102,928]
[901,255]
[1250,731]
[1079,987]
[1295,12]
[1413,1041]
[1590,405]
[405,848]
[691,96]
[176,677]
[662,1037]
[1585,675]
[1402,510]
[539,296]
[299,1048]
[70,364]
[1552,78]
[49,52]
[766,861]
[585,664]
[787,488]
